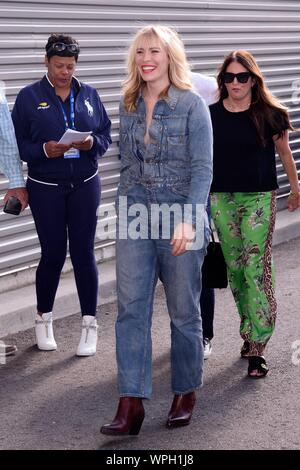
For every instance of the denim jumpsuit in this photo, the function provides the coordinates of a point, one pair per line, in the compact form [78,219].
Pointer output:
[174,168]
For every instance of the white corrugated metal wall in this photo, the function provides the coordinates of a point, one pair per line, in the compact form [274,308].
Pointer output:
[270,29]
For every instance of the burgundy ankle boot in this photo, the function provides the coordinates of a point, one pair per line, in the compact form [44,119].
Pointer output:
[128,420]
[181,410]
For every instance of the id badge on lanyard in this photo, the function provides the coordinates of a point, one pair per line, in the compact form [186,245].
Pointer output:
[71,153]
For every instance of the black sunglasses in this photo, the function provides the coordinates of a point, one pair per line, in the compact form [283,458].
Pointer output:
[241,77]
[61,46]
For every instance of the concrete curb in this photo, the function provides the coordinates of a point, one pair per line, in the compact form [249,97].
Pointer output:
[18,306]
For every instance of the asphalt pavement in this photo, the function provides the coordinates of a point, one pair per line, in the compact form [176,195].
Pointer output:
[55,400]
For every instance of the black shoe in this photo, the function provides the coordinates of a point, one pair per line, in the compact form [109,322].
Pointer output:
[258,367]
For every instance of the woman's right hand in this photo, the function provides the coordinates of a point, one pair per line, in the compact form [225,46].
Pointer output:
[184,235]
[54,149]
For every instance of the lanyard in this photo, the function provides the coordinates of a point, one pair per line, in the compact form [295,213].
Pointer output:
[72,111]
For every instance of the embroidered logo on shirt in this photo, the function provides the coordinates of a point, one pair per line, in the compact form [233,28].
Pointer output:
[89,107]
[43,105]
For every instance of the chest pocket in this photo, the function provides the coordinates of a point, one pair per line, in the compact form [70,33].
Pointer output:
[177,146]
[177,137]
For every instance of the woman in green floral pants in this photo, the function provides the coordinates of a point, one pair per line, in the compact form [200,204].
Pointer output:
[245,223]
[248,124]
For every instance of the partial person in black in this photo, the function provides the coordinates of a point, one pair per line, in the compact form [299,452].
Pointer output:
[207,87]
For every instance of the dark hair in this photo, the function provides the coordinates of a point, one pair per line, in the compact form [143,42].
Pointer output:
[64,39]
[265,109]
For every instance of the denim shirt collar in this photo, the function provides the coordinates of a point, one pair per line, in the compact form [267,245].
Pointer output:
[173,96]
[171,99]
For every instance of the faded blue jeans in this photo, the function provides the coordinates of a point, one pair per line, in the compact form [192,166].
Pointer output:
[139,264]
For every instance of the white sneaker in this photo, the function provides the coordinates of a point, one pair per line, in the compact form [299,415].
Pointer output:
[44,332]
[207,348]
[88,341]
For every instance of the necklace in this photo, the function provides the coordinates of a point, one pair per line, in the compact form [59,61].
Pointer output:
[237,109]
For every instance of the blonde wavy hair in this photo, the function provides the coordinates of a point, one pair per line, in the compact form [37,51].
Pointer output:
[179,70]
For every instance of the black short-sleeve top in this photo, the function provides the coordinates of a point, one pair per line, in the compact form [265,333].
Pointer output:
[241,162]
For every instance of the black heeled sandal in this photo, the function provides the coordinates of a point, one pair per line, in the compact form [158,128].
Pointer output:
[259,364]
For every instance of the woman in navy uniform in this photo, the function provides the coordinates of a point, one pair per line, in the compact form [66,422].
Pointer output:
[63,184]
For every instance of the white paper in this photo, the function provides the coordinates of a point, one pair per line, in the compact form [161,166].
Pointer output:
[73,136]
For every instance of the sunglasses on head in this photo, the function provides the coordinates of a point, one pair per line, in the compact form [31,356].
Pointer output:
[61,46]
[241,77]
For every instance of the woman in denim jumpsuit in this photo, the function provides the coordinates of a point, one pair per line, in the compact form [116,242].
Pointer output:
[166,164]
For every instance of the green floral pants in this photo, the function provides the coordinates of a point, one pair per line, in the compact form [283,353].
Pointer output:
[245,224]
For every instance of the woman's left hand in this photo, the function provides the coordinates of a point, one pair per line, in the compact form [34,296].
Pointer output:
[285,154]
[86,145]
[184,234]
[293,201]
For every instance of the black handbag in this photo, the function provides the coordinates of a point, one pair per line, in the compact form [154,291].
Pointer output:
[214,269]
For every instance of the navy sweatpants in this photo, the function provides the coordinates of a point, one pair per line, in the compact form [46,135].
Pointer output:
[60,213]
[207,305]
